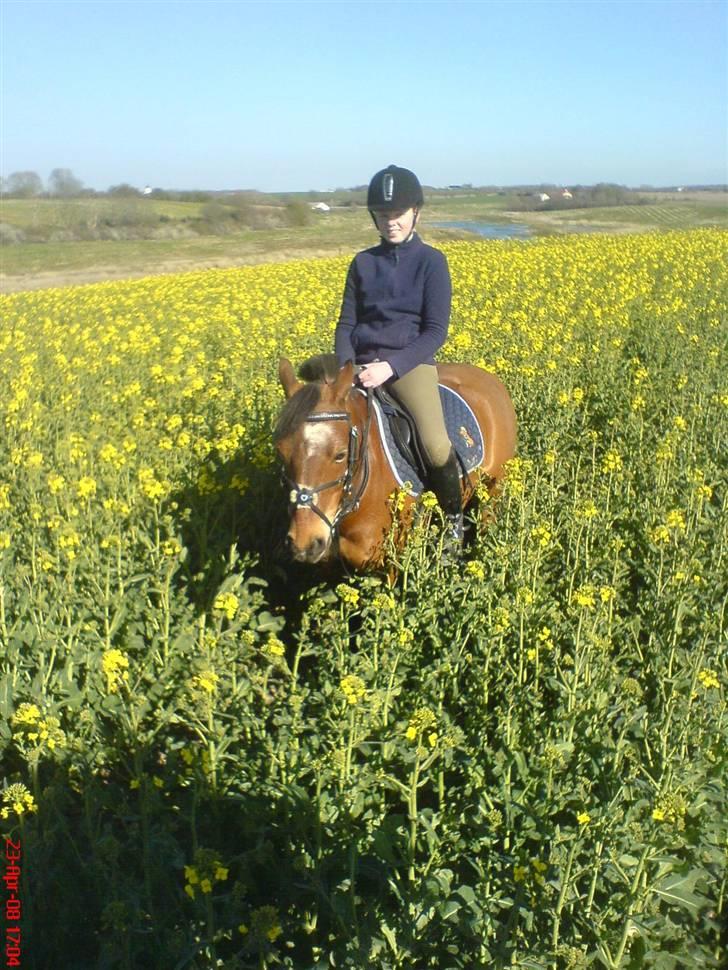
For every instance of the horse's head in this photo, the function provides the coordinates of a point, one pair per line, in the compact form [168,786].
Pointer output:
[319,443]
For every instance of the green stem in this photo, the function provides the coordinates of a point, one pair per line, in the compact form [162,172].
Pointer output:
[562,896]
[414,783]
[630,909]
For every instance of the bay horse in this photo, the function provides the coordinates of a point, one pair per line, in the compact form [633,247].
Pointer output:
[334,462]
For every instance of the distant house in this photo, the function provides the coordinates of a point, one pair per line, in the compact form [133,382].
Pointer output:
[147,190]
[321,207]
[543,197]
[565,194]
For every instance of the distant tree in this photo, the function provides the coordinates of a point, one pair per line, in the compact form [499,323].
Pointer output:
[63,182]
[124,191]
[297,213]
[23,185]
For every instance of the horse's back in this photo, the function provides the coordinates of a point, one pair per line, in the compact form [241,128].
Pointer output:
[489,398]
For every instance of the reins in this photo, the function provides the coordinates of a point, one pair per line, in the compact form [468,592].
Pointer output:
[306,497]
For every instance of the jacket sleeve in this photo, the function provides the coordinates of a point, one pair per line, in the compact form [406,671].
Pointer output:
[343,345]
[436,303]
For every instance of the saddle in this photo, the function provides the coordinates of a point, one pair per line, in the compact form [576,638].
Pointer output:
[403,429]
[401,440]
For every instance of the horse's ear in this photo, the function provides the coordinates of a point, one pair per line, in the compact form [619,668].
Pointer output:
[343,382]
[287,377]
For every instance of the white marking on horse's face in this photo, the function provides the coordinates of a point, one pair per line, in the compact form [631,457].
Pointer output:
[316,436]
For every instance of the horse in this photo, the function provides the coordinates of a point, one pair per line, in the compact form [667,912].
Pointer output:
[335,466]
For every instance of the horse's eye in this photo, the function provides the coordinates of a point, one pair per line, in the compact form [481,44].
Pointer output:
[340,456]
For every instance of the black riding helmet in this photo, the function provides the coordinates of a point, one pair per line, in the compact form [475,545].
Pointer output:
[395,188]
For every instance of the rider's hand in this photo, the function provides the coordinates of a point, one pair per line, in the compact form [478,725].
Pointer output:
[375,374]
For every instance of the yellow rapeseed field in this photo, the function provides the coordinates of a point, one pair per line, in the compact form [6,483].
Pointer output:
[517,761]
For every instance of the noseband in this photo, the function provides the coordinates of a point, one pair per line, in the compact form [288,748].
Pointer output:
[302,497]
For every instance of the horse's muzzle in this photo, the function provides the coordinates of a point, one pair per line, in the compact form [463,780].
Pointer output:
[316,550]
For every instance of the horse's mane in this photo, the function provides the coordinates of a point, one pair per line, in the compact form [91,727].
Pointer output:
[317,370]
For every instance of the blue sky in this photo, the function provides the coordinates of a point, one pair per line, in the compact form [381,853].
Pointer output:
[314,95]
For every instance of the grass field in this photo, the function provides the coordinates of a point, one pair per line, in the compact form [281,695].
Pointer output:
[183,243]
[516,761]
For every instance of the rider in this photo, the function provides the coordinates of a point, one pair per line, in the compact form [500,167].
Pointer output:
[394,316]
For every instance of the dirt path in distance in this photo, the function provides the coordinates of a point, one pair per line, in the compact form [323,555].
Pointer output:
[105,274]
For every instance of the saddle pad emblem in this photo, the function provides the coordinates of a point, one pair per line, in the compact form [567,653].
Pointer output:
[462,428]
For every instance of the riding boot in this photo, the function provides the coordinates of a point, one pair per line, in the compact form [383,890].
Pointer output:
[445,483]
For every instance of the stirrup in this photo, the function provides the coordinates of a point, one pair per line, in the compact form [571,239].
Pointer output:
[452,538]
[455,527]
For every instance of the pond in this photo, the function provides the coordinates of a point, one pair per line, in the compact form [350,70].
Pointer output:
[489,230]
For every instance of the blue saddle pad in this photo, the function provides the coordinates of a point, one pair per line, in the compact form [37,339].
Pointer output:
[462,427]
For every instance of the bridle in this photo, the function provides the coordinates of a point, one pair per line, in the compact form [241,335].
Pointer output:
[306,497]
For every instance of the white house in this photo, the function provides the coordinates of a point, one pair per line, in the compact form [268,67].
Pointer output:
[321,207]
[565,194]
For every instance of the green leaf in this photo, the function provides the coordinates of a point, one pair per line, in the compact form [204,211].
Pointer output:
[678,890]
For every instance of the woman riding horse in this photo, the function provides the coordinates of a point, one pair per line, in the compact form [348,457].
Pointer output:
[394,316]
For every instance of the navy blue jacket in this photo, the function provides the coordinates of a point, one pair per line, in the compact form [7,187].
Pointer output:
[396,306]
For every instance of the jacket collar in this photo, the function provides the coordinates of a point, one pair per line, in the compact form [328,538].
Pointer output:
[400,248]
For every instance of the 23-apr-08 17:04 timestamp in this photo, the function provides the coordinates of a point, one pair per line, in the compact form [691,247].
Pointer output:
[13,906]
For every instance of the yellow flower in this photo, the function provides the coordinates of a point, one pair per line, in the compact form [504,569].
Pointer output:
[541,535]
[583,818]
[584,597]
[587,510]
[708,679]
[264,923]
[347,594]
[353,688]
[116,667]
[660,534]
[206,682]
[226,603]
[422,720]
[429,500]
[86,487]
[26,714]
[56,483]
[274,648]
[383,601]
[612,461]
[16,798]
[476,570]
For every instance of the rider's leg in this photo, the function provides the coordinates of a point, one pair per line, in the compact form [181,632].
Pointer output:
[418,391]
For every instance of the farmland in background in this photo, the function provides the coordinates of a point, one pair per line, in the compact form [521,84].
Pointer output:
[52,242]
[514,761]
